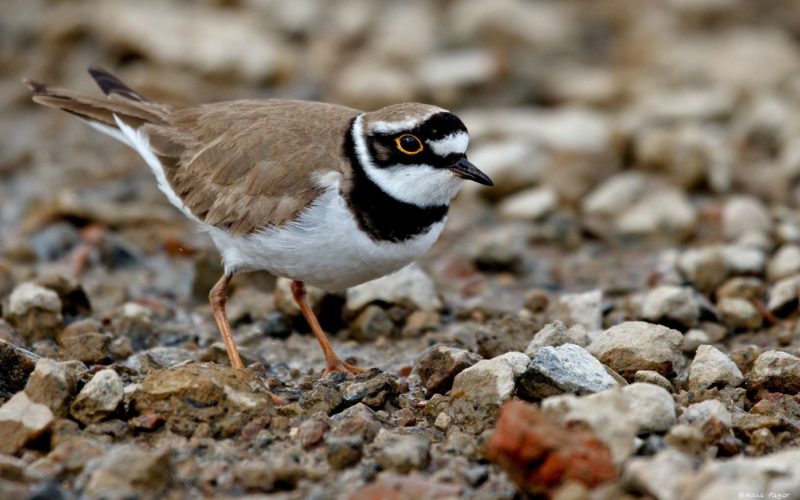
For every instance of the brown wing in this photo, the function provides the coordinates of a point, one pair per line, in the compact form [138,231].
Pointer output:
[245,165]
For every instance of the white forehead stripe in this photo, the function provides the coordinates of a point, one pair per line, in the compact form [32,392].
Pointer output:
[456,142]
[382,127]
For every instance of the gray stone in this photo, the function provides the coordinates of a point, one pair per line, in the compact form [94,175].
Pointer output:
[712,367]
[739,314]
[344,452]
[54,383]
[636,345]
[699,414]
[21,421]
[784,263]
[661,476]
[401,453]
[128,471]
[555,334]
[783,295]
[35,311]
[776,371]
[585,309]
[655,378]
[409,286]
[99,398]
[373,322]
[567,368]
[16,365]
[652,406]
[438,365]
[743,215]
[530,204]
[671,305]
[693,339]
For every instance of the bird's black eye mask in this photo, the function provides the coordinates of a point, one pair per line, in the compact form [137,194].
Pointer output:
[410,147]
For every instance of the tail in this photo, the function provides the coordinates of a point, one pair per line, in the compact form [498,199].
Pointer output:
[122,103]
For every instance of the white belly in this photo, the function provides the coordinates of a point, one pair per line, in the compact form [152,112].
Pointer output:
[324,247]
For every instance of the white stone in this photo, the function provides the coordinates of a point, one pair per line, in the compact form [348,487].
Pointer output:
[410,285]
[531,204]
[652,406]
[712,367]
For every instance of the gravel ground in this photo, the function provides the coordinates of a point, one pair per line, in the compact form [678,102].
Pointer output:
[617,318]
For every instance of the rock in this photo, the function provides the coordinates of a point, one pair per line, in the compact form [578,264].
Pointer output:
[277,326]
[409,286]
[445,72]
[99,398]
[706,267]
[438,365]
[442,421]
[53,384]
[280,469]
[373,322]
[135,322]
[323,397]
[776,371]
[530,204]
[699,414]
[128,471]
[501,249]
[16,365]
[555,334]
[693,339]
[480,390]
[783,296]
[512,164]
[778,473]
[739,314]
[225,399]
[312,432]
[374,388]
[744,215]
[742,287]
[651,377]
[652,406]
[401,453]
[344,452]
[420,322]
[358,420]
[711,367]
[671,306]
[84,341]
[540,453]
[21,421]
[415,485]
[158,358]
[607,414]
[661,476]
[567,368]
[35,311]
[585,309]
[636,345]
[784,263]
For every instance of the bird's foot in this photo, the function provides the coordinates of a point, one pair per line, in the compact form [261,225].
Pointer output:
[340,366]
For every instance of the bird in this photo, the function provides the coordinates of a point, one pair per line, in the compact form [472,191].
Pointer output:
[322,194]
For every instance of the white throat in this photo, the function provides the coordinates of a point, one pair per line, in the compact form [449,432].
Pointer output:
[420,185]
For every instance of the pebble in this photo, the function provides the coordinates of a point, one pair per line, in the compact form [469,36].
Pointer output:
[655,378]
[358,420]
[739,314]
[438,365]
[410,286]
[566,368]
[661,476]
[776,371]
[54,383]
[16,365]
[784,263]
[743,215]
[480,390]
[693,339]
[636,345]
[585,309]
[421,322]
[652,406]
[35,311]
[344,452]
[698,414]
[504,335]
[607,414]
[555,334]
[512,164]
[711,367]
[21,421]
[530,204]
[400,452]
[783,298]
[128,471]
[373,322]
[672,306]
[99,398]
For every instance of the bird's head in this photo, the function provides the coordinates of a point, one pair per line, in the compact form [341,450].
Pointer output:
[415,153]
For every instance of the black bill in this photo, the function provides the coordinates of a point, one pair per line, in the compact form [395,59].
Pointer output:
[466,170]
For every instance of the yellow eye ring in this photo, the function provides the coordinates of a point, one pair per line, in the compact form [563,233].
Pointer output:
[407,146]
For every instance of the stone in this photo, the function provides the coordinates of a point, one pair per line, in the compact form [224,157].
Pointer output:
[54,383]
[410,286]
[391,485]
[373,322]
[344,452]
[739,314]
[652,406]
[555,334]
[711,367]
[480,390]
[35,311]
[84,341]
[358,420]
[438,365]
[223,398]
[706,267]
[420,322]
[661,476]
[784,263]
[128,471]
[699,414]
[135,322]
[742,287]
[693,339]
[504,335]
[444,72]
[671,306]
[607,414]
[651,377]
[743,215]
[566,368]
[512,164]
[16,365]
[99,398]
[540,453]
[530,204]
[21,421]
[323,397]
[374,388]
[158,358]
[400,452]
[776,371]
[783,296]
[636,345]
[312,432]
[585,309]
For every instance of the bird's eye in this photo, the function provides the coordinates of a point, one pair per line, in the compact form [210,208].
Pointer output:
[409,144]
